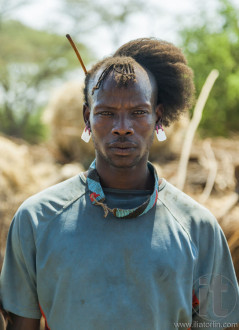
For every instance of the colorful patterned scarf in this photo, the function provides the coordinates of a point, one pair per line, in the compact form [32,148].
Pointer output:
[97,195]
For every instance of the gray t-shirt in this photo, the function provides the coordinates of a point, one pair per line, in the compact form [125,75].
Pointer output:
[94,273]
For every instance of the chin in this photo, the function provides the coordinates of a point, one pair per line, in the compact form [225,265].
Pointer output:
[123,162]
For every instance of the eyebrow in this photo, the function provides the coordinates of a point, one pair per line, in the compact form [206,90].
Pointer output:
[142,105]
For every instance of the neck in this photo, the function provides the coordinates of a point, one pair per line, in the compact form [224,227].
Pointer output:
[137,177]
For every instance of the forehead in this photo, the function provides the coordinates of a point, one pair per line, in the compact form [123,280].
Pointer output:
[141,90]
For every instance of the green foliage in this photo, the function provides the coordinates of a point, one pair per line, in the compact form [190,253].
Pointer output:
[90,19]
[29,127]
[31,62]
[34,130]
[216,46]
[88,15]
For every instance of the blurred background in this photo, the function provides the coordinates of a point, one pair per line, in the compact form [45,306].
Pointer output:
[41,85]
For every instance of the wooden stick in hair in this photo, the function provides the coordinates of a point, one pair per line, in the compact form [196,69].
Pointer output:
[77,53]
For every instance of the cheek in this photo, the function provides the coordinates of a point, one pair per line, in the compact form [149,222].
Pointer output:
[146,132]
[100,128]
[97,124]
[146,127]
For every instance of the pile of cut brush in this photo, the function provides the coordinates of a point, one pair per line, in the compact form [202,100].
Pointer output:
[212,171]
[24,171]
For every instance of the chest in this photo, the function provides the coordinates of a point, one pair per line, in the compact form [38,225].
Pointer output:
[85,245]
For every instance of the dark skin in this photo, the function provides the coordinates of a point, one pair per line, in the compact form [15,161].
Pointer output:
[122,122]
[22,323]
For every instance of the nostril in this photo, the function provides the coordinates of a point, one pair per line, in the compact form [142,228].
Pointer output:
[122,131]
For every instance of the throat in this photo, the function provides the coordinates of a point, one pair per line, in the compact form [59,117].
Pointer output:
[126,179]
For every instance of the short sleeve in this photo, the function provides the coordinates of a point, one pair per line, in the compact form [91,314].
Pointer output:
[18,290]
[216,292]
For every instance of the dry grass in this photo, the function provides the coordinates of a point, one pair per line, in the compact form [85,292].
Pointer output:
[64,115]
[25,170]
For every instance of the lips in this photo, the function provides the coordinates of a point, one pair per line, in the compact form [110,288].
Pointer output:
[122,148]
[122,145]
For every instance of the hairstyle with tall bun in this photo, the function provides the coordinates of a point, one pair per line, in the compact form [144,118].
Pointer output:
[165,61]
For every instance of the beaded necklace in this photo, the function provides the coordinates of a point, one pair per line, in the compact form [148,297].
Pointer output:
[97,195]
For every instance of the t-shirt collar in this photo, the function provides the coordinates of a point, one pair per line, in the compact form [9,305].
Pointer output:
[97,195]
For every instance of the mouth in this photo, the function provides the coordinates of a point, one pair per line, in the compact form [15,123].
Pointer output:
[122,148]
[122,151]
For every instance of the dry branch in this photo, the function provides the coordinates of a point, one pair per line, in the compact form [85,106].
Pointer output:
[212,166]
[197,115]
[231,202]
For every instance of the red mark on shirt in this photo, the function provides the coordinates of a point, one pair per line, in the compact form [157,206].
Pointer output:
[156,198]
[195,302]
[46,325]
[93,196]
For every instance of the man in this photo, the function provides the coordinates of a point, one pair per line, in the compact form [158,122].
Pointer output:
[116,247]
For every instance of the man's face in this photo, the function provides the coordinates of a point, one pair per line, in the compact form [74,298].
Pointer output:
[122,120]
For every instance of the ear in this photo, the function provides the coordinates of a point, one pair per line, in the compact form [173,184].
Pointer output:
[159,113]
[86,113]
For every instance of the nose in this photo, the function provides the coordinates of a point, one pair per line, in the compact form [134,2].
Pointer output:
[122,126]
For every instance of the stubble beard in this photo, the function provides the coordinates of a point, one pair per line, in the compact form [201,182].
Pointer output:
[138,159]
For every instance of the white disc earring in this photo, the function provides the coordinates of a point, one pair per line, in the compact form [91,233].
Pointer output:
[161,136]
[86,135]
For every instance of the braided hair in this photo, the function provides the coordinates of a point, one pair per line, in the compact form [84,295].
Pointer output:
[165,61]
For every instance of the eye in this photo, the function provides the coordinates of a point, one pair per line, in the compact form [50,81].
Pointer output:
[105,113]
[139,112]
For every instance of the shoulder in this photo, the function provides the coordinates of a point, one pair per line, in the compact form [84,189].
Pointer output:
[53,200]
[193,217]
